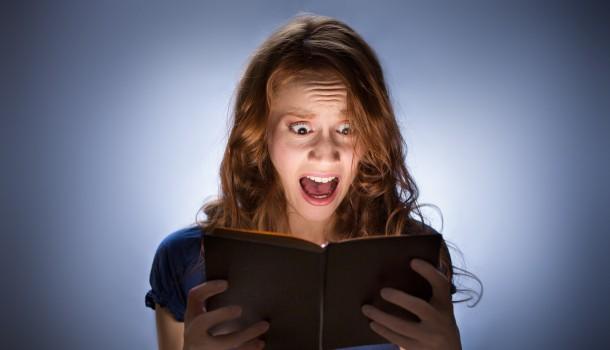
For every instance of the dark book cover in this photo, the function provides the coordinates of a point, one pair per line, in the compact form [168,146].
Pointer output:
[312,295]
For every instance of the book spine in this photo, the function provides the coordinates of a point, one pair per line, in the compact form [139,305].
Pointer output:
[322,300]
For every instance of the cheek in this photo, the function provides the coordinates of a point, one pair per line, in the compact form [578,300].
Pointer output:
[358,153]
[282,159]
[350,168]
[351,160]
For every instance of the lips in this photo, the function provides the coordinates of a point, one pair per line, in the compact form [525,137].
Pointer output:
[317,189]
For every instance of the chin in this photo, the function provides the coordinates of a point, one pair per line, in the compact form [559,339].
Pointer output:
[322,214]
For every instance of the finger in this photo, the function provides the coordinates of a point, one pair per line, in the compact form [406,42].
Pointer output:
[415,305]
[235,339]
[396,324]
[394,338]
[206,320]
[254,344]
[197,296]
[441,287]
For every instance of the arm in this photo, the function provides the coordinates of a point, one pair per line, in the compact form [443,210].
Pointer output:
[170,333]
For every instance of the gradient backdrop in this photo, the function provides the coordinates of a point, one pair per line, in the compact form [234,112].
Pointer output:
[114,120]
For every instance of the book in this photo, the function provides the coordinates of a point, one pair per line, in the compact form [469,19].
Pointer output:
[310,294]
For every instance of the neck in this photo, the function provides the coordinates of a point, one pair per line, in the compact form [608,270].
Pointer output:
[313,231]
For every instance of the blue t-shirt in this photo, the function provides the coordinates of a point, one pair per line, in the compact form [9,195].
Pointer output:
[177,267]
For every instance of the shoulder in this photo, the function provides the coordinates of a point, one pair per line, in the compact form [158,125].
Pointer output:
[415,227]
[176,268]
[180,252]
[182,243]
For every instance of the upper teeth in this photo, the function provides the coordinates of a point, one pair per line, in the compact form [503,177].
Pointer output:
[321,179]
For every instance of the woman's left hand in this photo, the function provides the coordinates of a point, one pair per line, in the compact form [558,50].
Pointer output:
[437,329]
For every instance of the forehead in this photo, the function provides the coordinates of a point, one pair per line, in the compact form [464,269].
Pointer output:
[310,92]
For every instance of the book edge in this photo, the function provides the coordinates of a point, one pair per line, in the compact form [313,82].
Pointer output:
[243,234]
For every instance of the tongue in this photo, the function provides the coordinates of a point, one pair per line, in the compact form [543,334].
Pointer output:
[318,189]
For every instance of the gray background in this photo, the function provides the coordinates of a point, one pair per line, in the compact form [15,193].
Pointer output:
[114,121]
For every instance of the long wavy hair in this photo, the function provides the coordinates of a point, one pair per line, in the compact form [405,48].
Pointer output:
[382,199]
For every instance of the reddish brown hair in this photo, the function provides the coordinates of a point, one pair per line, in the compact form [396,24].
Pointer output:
[383,197]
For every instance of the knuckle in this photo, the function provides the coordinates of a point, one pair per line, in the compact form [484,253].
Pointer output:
[192,293]
[206,289]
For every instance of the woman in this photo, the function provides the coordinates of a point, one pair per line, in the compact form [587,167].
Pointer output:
[314,151]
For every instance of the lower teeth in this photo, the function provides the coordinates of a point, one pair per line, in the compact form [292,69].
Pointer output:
[322,196]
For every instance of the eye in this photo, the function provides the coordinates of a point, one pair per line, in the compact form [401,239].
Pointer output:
[300,128]
[345,129]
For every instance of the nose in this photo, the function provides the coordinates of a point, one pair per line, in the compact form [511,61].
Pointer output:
[325,149]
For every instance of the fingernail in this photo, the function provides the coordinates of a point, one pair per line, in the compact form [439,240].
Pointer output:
[260,344]
[366,309]
[385,292]
[235,309]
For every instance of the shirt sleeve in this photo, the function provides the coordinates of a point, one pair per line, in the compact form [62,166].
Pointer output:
[165,282]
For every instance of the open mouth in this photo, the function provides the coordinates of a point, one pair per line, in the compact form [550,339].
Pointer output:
[319,187]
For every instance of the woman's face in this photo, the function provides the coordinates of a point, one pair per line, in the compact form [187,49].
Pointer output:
[312,146]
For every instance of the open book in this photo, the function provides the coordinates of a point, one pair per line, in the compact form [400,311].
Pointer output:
[312,295]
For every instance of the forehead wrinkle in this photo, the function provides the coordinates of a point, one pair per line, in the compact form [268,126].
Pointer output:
[322,82]
[325,88]
[327,96]
[326,93]
[338,96]
[328,100]
[303,113]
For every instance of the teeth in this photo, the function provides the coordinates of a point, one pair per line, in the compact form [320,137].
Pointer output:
[321,179]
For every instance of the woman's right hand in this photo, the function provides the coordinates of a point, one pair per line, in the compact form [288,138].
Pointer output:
[197,322]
